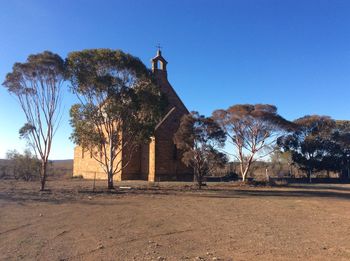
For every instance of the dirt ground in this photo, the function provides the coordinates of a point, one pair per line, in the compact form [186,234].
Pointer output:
[171,221]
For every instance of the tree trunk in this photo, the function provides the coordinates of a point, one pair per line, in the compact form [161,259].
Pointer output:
[199,181]
[242,172]
[110,180]
[43,174]
[110,167]
[244,175]
[246,168]
[309,174]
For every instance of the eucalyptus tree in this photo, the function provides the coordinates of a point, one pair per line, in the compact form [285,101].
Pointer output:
[311,144]
[252,130]
[341,135]
[37,85]
[199,138]
[119,107]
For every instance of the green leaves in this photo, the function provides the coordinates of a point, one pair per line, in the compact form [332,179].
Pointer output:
[319,143]
[104,70]
[42,67]
[120,104]
[26,130]
[37,85]
[113,86]
[23,166]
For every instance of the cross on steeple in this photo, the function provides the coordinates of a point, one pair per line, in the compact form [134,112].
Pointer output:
[159,47]
[159,51]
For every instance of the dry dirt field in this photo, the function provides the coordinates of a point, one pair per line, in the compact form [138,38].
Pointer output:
[170,221]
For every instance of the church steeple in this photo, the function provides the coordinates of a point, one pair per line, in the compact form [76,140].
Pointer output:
[159,63]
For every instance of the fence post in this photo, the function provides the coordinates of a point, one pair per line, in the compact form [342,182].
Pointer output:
[267,175]
[93,188]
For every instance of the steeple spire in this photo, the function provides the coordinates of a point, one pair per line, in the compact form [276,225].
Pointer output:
[159,49]
[159,63]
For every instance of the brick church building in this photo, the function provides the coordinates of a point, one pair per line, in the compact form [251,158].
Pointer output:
[159,160]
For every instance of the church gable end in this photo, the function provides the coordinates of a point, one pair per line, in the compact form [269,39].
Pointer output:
[168,164]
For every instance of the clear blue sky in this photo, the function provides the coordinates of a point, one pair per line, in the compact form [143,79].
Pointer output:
[294,54]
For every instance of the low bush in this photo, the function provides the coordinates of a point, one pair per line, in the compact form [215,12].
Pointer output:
[24,166]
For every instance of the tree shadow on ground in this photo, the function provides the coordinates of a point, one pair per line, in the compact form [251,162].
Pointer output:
[319,186]
[287,193]
[106,197]
[60,196]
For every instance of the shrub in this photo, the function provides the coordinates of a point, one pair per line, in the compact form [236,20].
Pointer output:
[24,166]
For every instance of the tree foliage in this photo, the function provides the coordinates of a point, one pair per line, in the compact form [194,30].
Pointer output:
[199,138]
[37,84]
[252,130]
[120,104]
[309,144]
[319,143]
[341,136]
[24,166]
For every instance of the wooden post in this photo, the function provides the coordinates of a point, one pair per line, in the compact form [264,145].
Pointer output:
[152,160]
[93,188]
[267,175]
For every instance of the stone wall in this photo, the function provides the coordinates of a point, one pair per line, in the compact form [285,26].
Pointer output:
[167,158]
[85,165]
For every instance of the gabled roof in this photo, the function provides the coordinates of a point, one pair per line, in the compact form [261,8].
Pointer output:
[165,117]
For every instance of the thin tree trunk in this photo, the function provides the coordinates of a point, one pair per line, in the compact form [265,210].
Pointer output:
[199,184]
[244,174]
[43,174]
[246,168]
[110,168]
[310,180]
[243,177]
[199,181]
[110,180]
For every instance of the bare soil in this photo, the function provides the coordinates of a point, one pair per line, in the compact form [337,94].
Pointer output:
[172,221]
